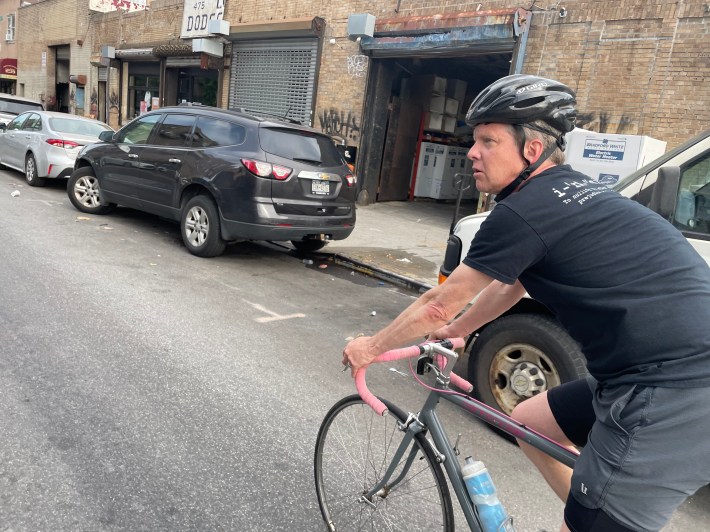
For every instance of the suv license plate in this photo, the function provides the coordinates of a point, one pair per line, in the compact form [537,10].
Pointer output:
[320,187]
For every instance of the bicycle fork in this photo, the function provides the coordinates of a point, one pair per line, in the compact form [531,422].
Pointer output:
[411,427]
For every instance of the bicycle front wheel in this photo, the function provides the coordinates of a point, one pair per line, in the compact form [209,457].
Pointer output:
[354,448]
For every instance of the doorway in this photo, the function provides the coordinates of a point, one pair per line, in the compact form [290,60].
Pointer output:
[197,86]
[420,105]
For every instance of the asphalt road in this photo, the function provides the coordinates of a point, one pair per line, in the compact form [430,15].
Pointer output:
[145,389]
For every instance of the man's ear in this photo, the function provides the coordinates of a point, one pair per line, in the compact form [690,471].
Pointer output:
[533,149]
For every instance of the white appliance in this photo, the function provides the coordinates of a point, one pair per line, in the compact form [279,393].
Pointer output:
[432,160]
[606,158]
[444,187]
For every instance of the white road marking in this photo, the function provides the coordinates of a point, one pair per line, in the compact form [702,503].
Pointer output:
[272,316]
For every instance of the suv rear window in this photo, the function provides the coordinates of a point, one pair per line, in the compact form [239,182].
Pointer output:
[302,146]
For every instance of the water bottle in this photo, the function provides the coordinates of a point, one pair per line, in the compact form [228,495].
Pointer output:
[482,491]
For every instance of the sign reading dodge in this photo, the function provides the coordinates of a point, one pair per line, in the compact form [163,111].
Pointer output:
[197,14]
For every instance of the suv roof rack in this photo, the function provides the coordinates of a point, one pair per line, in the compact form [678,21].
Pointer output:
[192,104]
[280,117]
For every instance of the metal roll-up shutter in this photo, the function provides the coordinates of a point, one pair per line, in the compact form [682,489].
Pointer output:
[103,74]
[275,76]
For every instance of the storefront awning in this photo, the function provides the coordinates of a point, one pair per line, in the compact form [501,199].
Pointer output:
[173,50]
[135,53]
[491,31]
[8,68]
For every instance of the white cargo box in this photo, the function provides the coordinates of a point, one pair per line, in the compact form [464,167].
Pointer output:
[606,158]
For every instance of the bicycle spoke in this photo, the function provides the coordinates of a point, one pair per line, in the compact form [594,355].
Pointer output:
[355,449]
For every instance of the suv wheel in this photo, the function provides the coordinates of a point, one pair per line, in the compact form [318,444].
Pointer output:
[85,193]
[199,225]
[31,176]
[308,245]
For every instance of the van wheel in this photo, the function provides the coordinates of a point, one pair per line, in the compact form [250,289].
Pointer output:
[519,356]
[199,225]
[31,176]
[85,192]
[308,245]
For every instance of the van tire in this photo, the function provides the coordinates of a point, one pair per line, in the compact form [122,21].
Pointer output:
[529,350]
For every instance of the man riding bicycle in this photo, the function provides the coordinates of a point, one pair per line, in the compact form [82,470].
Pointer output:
[625,284]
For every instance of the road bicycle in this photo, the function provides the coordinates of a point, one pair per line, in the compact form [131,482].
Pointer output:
[379,468]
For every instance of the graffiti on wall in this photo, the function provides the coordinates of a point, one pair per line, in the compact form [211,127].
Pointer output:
[601,123]
[357,66]
[113,101]
[94,104]
[106,6]
[339,124]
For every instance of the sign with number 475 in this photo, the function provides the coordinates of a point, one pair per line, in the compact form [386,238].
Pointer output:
[196,15]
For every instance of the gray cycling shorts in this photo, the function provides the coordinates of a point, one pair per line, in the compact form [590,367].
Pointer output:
[648,450]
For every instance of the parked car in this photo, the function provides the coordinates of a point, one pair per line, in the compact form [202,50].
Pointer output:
[44,144]
[11,106]
[224,175]
[526,351]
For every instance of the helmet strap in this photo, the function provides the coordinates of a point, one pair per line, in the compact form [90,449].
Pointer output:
[517,183]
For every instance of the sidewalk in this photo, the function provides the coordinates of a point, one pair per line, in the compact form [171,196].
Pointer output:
[401,241]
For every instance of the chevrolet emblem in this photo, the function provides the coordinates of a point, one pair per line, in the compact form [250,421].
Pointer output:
[324,177]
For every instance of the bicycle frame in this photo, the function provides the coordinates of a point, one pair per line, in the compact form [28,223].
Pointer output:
[428,420]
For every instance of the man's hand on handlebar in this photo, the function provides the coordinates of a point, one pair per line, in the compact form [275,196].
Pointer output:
[359,353]
[441,334]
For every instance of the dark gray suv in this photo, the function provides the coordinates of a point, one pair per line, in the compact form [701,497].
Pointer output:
[224,175]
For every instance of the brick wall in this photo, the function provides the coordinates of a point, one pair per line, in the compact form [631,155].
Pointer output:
[39,26]
[638,66]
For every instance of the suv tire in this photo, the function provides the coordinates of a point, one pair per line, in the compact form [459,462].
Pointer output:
[308,245]
[85,192]
[199,226]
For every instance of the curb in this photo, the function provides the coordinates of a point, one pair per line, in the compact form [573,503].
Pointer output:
[380,273]
[362,267]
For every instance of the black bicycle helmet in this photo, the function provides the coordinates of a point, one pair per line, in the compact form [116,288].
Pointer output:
[522,99]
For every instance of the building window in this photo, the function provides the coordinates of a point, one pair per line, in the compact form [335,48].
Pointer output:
[10,33]
[141,90]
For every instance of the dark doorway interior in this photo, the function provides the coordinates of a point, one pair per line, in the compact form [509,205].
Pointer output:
[197,85]
[63,97]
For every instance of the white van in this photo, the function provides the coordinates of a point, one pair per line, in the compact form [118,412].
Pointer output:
[526,351]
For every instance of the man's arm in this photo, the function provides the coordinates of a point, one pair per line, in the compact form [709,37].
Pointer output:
[433,309]
[497,298]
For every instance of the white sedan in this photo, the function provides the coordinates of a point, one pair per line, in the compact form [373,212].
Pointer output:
[44,144]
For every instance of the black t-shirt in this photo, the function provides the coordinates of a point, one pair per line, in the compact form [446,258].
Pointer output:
[622,280]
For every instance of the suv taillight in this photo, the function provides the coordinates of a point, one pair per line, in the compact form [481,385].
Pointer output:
[263,169]
[351,180]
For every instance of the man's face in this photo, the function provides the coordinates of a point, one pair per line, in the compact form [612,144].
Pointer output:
[496,157]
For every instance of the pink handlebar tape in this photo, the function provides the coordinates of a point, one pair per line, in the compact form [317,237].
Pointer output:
[399,354]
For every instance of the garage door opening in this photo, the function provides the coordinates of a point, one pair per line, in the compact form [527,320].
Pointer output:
[417,97]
